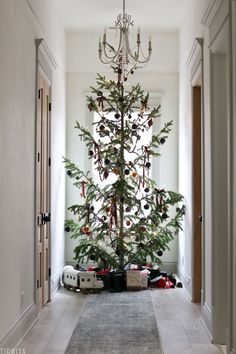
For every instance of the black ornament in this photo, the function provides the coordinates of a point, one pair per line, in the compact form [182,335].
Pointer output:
[146,190]
[164,216]
[146,206]
[132,71]
[162,140]
[67,229]
[69,173]
[92,257]
[92,208]
[119,71]
[117,251]
[126,172]
[91,152]
[148,164]
[129,116]
[102,127]
[141,245]
[160,253]
[136,213]
[107,161]
[117,115]
[104,217]
[134,126]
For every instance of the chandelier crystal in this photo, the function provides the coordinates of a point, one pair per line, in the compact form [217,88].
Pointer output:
[124,59]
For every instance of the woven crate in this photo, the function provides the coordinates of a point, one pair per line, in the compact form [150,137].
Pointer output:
[133,280]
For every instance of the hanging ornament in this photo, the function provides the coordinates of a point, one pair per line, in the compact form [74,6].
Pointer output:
[82,194]
[105,174]
[67,229]
[148,164]
[69,173]
[140,245]
[91,153]
[126,171]
[146,190]
[92,257]
[160,253]
[117,251]
[142,228]
[162,140]
[134,174]
[164,216]
[128,222]
[117,115]
[102,127]
[134,126]
[150,123]
[129,116]
[85,230]
[116,171]
[107,161]
[146,206]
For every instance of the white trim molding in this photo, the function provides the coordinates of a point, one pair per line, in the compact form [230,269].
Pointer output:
[221,35]
[207,319]
[211,9]
[20,327]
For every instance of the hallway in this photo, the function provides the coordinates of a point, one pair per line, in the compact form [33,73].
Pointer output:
[178,321]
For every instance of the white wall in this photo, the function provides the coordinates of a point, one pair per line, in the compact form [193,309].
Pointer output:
[21,22]
[190,30]
[159,77]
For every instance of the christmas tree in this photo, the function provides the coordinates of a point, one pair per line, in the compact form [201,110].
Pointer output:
[130,219]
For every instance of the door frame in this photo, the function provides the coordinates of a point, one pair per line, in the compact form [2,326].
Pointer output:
[45,65]
[195,64]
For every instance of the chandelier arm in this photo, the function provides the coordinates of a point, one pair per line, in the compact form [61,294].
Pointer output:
[116,51]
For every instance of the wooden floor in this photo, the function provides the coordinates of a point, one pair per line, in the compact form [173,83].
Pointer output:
[178,321]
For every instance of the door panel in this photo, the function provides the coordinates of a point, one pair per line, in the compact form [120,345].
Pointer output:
[43,193]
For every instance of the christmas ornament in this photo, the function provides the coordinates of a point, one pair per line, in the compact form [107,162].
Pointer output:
[67,229]
[92,257]
[148,164]
[107,161]
[69,173]
[91,153]
[162,140]
[146,206]
[164,216]
[134,126]
[126,172]
[117,115]
[146,190]
[160,253]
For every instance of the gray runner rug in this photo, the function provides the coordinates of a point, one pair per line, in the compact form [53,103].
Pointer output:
[116,323]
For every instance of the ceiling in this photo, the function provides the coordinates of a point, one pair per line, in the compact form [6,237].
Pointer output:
[94,15]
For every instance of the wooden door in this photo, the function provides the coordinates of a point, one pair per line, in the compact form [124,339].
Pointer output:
[43,193]
[197,196]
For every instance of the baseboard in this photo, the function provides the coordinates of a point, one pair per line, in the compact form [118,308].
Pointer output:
[206,319]
[55,283]
[185,279]
[169,267]
[20,328]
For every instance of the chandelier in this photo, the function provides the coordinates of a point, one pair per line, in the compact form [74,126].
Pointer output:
[124,59]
